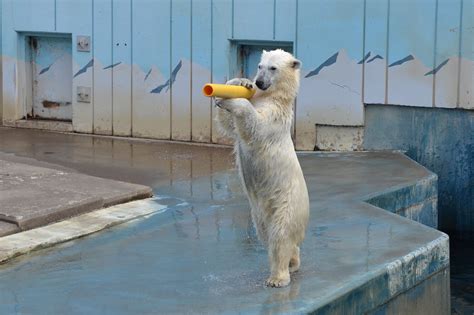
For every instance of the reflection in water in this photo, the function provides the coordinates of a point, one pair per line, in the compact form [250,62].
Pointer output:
[281,301]
[154,164]
[196,218]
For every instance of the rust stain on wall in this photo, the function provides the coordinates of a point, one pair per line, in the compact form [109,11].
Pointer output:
[50,104]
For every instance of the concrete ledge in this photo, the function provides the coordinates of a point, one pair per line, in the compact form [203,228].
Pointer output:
[61,126]
[8,228]
[425,212]
[416,201]
[428,297]
[378,287]
[33,196]
[22,243]
[339,138]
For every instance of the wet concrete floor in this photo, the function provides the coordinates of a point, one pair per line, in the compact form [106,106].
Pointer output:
[202,255]
[152,164]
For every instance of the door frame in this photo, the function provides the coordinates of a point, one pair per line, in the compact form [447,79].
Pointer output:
[238,48]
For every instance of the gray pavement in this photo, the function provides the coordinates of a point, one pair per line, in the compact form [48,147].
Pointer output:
[32,196]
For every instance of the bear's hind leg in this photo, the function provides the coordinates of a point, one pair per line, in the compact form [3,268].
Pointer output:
[280,252]
[295,259]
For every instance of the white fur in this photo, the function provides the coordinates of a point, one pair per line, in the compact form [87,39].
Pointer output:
[268,165]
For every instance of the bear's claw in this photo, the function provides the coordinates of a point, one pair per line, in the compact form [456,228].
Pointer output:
[277,282]
[242,82]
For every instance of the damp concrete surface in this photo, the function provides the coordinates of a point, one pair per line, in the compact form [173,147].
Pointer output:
[201,254]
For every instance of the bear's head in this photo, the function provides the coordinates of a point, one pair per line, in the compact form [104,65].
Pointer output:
[278,68]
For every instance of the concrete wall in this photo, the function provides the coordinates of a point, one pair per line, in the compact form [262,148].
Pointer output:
[443,141]
[149,59]
[431,296]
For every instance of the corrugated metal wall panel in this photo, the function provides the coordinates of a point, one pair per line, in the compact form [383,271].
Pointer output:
[466,83]
[151,69]
[375,51]
[201,70]
[75,17]
[121,67]
[221,32]
[410,57]
[181,70]
[446,68]
[102,78]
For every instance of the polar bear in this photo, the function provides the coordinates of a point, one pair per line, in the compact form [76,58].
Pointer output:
[267,161]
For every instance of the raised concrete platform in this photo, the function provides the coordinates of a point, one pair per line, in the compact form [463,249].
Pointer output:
[32,196]
[199,253]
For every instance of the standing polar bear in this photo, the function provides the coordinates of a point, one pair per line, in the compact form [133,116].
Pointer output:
[267,162]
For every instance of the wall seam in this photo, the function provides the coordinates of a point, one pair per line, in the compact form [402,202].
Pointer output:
[170,69]
[363,59]
[274,19]
[191,73]
[232,26]
[212,68]
[458,92]
[55,14]
[93,72]
[295,46]
[387,54]
[433,92]
[112,56]
[131,68]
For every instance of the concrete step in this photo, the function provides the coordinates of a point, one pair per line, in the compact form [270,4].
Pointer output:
[32,196]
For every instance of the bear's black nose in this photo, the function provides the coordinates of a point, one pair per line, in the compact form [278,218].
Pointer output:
[259,84]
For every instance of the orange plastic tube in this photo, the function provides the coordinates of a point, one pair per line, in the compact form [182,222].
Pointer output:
[227,91]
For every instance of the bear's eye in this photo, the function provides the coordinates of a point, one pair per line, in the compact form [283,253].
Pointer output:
[260,66]
[273,68]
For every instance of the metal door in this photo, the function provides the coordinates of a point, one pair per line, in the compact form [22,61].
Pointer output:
[251,54]
[51,64]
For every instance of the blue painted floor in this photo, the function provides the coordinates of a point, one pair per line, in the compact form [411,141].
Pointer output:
[202,255]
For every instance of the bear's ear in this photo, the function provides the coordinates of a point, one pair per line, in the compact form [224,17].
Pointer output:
[264,51]
[296,64]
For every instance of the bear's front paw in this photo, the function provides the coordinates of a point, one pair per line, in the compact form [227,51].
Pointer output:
[278,282]
[231,105]
[242,82]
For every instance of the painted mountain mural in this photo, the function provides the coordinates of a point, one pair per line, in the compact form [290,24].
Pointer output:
[330,93]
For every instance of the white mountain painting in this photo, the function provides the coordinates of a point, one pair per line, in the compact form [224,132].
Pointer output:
[332,91]
[181,100]
[329,94]
[408,84]
[374,79]
[151,109]
[201,105]
[446,85]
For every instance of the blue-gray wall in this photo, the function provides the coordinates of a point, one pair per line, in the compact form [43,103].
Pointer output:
[150,58]
[441,140]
